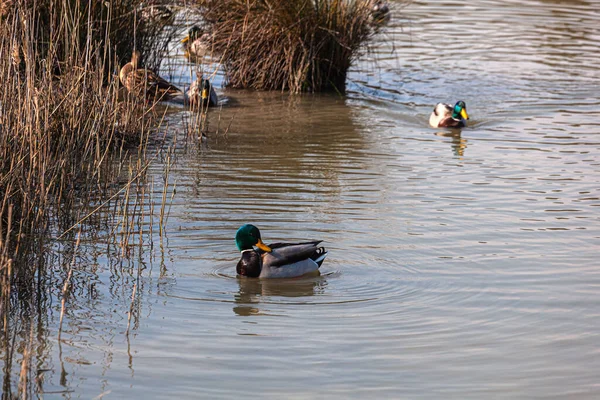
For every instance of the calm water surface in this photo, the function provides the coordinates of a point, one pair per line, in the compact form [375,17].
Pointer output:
[462,264]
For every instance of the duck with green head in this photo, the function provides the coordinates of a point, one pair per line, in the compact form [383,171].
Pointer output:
[446,116]
[201,93]
[197,42]
[278,260]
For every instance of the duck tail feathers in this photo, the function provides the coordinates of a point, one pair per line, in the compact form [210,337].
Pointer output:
[319,256]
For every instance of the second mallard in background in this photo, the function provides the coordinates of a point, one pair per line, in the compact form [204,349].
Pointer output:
[197,42]
[446,116]
[202,93]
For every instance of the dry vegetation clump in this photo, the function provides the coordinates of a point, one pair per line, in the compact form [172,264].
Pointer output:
[295,45]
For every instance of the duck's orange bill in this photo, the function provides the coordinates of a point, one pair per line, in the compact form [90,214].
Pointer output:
[204,94]
[463,113]
[263,246]
[185,39]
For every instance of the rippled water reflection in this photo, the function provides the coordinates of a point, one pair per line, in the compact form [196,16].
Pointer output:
[462,264]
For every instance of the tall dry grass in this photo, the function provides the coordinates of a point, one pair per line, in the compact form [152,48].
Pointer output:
[59,110]
[295,45]
[62,126]
[61,117]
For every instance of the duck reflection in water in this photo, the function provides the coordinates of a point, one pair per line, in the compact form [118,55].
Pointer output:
[458,143]
[252,291]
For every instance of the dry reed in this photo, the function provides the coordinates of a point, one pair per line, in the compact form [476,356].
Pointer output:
[60,114]
[62,126]
[295,45]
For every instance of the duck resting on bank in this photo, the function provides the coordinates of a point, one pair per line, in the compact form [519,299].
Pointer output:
[446,116]
[142,82]
[201,93]
[278,260]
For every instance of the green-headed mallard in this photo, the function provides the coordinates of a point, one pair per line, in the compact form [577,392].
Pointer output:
[145,83]
[197,42]
[278,260]
[446,116]
[202,93]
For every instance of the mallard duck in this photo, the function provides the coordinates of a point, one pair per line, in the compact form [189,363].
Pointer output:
[446,116]
[278,260]
[202,93]
[145,83]
[379,9]
[197,42]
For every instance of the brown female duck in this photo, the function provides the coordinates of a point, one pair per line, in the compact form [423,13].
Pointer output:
[145,83]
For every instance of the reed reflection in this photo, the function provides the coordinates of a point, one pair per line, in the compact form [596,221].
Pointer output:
[273,134]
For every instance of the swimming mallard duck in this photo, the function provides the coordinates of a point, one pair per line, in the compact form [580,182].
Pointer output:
[279,260]
[145,83]
[446,116]
[197,42]
[201,92]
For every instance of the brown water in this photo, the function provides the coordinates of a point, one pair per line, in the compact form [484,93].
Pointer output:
[462,264]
